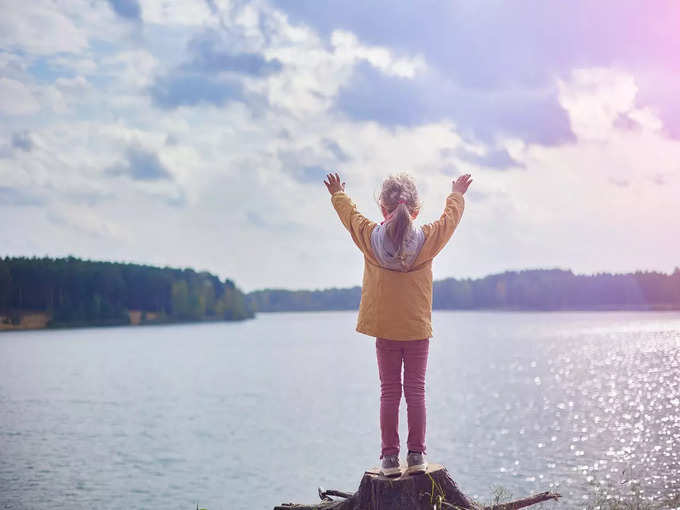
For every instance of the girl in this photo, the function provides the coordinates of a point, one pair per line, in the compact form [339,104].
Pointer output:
[396,301]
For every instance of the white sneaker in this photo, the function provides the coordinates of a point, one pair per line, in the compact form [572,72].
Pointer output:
[416,463]
[390,466]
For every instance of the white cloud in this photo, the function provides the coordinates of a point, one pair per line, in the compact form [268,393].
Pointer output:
[75,63]
[163,12]
[11,63]
[646,117]
[597,204]
[130,70]
[52,99]
[39,27]
[595,98]
[85,220]
[16,99]
[348,47]
[313,73]
[77,83]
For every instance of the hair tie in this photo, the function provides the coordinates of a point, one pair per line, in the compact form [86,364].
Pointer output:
[402,202]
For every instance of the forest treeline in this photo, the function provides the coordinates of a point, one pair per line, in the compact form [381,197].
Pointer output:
[74,292]
[539,289]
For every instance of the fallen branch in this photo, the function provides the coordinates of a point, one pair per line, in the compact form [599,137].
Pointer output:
[521,503]
[324,494]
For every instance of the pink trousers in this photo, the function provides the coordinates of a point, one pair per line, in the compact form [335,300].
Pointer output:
[390,354]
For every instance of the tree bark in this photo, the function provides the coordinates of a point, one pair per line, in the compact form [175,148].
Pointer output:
[433,489]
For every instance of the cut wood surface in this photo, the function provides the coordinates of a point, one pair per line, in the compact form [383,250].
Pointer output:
[432,489]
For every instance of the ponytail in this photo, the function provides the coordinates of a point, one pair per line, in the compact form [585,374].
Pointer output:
[397,227]
[400,197]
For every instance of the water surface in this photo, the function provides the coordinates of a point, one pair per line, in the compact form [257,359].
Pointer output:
[251,414]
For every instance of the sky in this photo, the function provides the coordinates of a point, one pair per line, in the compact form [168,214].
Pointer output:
[198,133]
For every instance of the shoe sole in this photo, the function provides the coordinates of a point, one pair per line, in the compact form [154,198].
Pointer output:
[415,470]
[391,472]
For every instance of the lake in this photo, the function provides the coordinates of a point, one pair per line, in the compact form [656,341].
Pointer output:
[251,414]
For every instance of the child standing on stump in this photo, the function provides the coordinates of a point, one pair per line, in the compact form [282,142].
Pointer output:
[396,301]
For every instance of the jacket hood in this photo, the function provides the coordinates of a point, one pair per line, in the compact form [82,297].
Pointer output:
[387,253]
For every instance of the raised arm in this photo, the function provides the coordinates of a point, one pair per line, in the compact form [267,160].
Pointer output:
[358,225]
[438,233]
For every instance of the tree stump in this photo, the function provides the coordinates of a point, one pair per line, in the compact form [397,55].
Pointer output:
[432,489]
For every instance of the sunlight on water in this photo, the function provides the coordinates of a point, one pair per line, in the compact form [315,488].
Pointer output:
[577,403]
[623,407]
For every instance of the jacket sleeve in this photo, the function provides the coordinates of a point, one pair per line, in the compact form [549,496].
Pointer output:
[438,233]
[359,227]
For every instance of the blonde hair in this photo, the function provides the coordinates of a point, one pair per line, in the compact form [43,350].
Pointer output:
[399,197]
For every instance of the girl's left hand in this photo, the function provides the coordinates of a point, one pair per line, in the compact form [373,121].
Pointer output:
[333,183]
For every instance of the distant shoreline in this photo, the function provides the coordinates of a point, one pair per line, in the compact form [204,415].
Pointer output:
[36,321]
[39,293]
[6,328]
[45,293]
[532,289]
[670,308]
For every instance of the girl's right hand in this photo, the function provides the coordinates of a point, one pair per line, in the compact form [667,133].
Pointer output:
[461,184]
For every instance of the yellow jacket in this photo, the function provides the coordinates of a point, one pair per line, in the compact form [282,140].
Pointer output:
[396,304]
